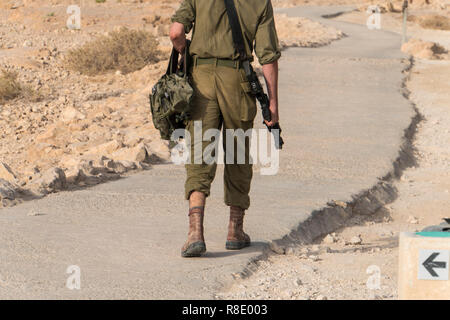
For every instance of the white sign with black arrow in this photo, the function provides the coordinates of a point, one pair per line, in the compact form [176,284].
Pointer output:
[433,264]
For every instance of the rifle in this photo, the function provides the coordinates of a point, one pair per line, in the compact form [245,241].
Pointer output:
[251,75]
[263,99]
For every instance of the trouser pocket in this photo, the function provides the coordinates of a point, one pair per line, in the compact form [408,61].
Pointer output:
[248,103]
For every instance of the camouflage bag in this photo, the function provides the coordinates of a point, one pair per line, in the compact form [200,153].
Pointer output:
[171,96]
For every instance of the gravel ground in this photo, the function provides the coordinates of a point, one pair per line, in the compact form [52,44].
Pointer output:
[360,260]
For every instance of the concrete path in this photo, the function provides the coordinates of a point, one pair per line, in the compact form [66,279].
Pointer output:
[343,117]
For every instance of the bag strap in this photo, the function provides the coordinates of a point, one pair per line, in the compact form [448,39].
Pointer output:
[236,30]
[173,62]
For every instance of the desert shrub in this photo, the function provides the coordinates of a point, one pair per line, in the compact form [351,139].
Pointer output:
[435,22]
[11,88]
[125,50]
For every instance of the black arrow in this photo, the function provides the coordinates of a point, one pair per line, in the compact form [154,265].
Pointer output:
[430,264]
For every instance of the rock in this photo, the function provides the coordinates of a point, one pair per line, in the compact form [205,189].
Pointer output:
[304,250]
[276,248]
[105,148]
[51,180]
[412,220]
[129,165]
[49,134]
[75,175]
[6,173]
[423,49]
[327,250]
[132,140]
[355,240]
[143,165]
[158,151]
[329,239]
[135,154]
[34,212]
[313,258]
[7,190]
[289,251]
[71,114]
[27,44]
[120,168]
[337,203]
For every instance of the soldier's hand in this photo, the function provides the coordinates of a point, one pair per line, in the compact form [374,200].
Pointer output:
[274,115]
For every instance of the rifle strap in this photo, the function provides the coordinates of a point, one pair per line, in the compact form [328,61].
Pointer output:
[236,30]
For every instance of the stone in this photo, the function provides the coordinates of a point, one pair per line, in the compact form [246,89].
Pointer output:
[50,133]
[329,239]
[289,251]
[6,173]
[132,140]
[355,240]
[423,49]
[54,179]
[27,44]
[313,258]
[7,190]
[337,203]
[135,154]
[105,148]
[34,213]
[304,250]
[413,220]
[129,165]
[119,168]
[276,248]
[158,151]
[75,175]
[71,114]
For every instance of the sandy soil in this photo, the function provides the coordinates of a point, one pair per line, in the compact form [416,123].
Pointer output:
[343,264]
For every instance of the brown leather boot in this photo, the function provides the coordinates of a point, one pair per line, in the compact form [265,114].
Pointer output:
[195,244]
[237,238]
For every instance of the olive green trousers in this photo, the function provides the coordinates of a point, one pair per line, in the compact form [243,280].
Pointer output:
[222,100]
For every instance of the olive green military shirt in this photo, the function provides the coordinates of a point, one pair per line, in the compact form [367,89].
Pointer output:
[211,30]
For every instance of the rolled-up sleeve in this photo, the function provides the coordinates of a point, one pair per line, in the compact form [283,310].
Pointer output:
[185,15]
[267,48]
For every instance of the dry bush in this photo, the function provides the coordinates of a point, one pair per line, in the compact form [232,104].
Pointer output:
[125,50]
[435,22]
[11,88]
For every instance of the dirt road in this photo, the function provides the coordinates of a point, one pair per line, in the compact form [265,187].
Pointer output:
[343,116]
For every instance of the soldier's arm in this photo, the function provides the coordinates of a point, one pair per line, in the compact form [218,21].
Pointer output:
[178,37]
[268,52]
[183,21]
[270,72]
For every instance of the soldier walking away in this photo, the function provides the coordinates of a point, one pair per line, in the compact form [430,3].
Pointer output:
[223,98]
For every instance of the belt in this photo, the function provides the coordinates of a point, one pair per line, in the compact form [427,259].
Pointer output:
[235,64]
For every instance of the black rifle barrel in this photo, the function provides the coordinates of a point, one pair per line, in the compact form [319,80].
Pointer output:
[263,99]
